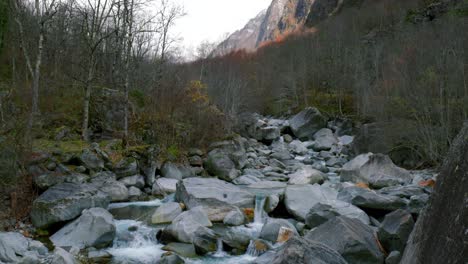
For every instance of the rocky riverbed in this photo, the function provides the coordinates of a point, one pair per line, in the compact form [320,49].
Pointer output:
[284,191]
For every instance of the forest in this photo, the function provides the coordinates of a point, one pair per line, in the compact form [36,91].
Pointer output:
[107,77]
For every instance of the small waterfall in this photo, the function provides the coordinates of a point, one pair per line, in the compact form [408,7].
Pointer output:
[219,248]
[259,213]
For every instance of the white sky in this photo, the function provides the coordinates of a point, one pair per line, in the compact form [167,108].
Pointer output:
[211,19]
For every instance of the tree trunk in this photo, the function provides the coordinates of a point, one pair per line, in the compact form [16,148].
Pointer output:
[87,98]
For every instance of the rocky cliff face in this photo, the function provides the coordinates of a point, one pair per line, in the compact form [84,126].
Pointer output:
[282,18]
[245,38]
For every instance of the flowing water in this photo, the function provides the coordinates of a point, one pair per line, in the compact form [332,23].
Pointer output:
[136,243]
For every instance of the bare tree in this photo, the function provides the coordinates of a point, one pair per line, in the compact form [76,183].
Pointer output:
[95,15]
[44,10]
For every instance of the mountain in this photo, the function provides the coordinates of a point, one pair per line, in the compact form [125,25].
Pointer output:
[282,18]
[245,38]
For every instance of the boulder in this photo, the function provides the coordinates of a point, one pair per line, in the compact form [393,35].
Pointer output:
[246,180]
[139,211]
[171,259]
[164,186]
[117,191]
[195,152]
[196,161]
[376,168]
[216,197]
[365,198]
[175,171]
[219,163]
[324,140]
[15,248]
[61,256]
[299,250]
[126,167]
[183,227]
[64,202]
[166,213]
[91,160]
[322,212]
[134,193]
[395,230]
[234,218]
[204,241]
[306,123]
[183,249]
[355,241]
[94,228]
[268,133]
[135,180]
[299,199]
[306,175]
[271,229]
[298,147]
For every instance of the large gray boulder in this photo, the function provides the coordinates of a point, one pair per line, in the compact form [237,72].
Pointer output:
[299,250]
[216,197]
[61,256]
[440,234]
[94,228]
[183,227]
[135,180]
[220,164]
[15,248]
[306,175]
[164,186]
[355,241]
[324,139]
[395,230]
[272,226]
[299,199]
[117,191]
[126,167]
[234,218]
[92,160]
[374,168]
[306,123]
[175,171]
[64,202]
[369,199]
[321,213]
[166,213]
[205,241]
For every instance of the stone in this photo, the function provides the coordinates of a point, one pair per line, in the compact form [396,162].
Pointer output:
[99,256]
[196,161]
[220,164]
[61,256]
[117,191]
[126,167]
[170,259]
[164,186]
[271,202]
[299,199]
[246,180]
[324,140]
[134,192]
[15,248]
[136,181]
[299,250]
[306,123]
[94,228]
[406,191]
[195,152]
[64,202]
[271,229]
[183,227]
[306,175]
[183,249]
[285,234]
[395,230]
[393,258]
[47,180]
[322,212]
[91,160]
[166,213]
[216,197]
[370,167]
[298,147]
[268,133]
[287,138]
[175,171]
[234,218]
[204,241]
[351,238]
[365,198]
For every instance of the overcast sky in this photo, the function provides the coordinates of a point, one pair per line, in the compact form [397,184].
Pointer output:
[211,19]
